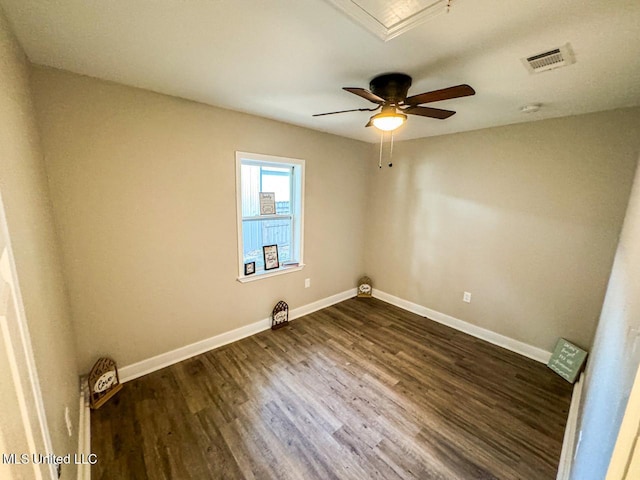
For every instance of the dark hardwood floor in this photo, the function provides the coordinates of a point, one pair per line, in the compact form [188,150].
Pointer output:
[359,390]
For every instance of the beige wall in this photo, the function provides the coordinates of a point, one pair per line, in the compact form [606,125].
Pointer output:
[525,217]
[615,356]
[143,188]
[24,190]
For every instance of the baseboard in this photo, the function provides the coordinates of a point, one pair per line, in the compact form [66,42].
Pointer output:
[84,433]
[149,365]
[144,367]
[322,303]
[516,346]
[135,370]
[568,443]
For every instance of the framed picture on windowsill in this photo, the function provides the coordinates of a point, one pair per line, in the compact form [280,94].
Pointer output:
[270,254]
[250,268]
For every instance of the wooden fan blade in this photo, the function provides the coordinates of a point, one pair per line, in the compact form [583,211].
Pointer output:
[429,112]
[437,95]
[364,93]
[345,111]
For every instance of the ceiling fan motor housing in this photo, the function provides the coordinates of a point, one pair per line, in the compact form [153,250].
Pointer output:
[393,87]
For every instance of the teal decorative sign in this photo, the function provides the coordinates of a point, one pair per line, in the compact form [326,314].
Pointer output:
[567,360]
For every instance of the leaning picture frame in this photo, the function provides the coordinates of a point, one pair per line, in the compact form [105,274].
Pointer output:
[250,268]
[270,254]
[267,203]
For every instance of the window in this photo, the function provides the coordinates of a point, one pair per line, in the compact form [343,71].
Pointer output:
[284,177]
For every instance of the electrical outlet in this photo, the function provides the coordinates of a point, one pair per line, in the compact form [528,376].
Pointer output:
[307,282]
[67,419]
[466,297]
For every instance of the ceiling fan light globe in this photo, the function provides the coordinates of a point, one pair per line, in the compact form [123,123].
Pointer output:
[388,121]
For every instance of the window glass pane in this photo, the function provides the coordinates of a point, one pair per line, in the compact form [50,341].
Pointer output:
[257,179]
[278,180]
[250,178]
[257,233]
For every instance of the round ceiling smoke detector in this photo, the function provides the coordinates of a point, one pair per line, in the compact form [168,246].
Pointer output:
[531,108]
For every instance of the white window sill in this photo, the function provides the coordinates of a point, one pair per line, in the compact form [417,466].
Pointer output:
[270,273]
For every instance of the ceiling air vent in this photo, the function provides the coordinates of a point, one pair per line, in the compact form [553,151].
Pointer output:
[556,58]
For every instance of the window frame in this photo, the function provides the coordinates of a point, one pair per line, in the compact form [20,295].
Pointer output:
[296,209]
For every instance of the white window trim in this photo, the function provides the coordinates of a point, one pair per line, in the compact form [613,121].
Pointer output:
[271,273]
[298,217]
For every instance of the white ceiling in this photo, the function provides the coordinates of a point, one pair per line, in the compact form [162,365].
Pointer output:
[288,59]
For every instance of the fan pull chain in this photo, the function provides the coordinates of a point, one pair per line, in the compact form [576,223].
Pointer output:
[448,6]
[382,148]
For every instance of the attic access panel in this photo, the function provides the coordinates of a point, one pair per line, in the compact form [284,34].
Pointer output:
[389,18]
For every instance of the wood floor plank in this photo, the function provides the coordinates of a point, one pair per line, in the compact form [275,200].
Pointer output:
[357,391]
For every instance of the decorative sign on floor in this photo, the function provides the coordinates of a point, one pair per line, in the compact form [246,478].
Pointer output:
[280,315]
[104,382]
[567,360]
[365,287]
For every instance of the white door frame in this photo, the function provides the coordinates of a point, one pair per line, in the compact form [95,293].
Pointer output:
[625,461]
[14,334]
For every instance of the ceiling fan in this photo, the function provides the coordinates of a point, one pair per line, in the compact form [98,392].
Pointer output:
[389,92]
